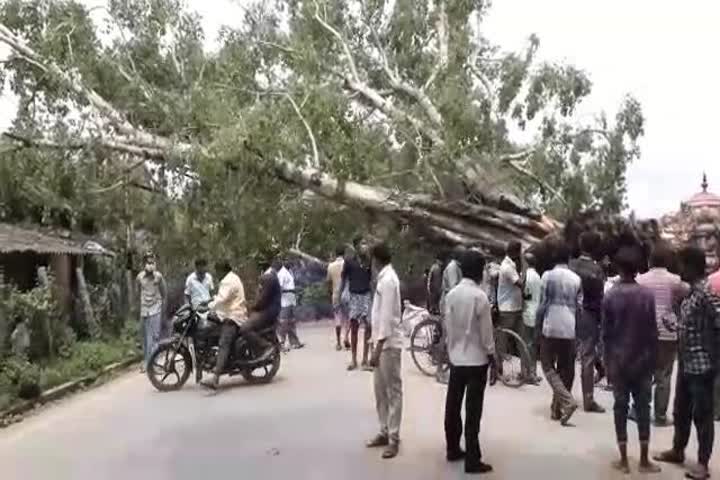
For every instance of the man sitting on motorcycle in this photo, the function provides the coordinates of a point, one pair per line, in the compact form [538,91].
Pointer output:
[230,306]
[266,310]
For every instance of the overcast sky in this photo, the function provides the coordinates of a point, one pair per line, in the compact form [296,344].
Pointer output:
[660,51]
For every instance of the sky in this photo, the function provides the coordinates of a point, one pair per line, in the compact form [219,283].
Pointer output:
[660,51]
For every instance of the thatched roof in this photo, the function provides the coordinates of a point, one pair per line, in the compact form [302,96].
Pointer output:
[16,239]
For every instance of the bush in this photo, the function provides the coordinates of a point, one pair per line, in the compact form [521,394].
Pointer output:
[21,378]
[315,294]
[39,307]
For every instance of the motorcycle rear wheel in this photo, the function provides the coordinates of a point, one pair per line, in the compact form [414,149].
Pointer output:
[164,364]
[265,373]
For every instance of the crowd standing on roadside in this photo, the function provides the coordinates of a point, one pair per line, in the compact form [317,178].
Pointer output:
[631,326]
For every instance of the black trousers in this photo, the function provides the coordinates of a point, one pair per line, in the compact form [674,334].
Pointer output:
[588,334]
[473,380]
[694,404]
[641,391]
[557,357]
[228,333]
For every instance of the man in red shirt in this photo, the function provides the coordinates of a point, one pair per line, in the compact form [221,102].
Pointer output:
[714,284]
[714,281]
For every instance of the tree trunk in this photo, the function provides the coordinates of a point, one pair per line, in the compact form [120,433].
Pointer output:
[44,282]
[93,327]
[490,225]
[307,257]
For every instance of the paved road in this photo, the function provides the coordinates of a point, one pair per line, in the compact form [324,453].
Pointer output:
[309,424]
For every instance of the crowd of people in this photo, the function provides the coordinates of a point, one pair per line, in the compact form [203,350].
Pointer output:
[628,325]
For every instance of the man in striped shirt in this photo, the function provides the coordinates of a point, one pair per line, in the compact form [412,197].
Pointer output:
[668,289]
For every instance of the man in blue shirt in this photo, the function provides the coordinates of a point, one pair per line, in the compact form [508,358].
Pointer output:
[561,300]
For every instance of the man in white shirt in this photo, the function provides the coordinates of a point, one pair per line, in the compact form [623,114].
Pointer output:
[509,296]
[561,301]
[451,276]
[531,296]
[471,349]
[288,301]
[199,284]
[387,354]
[334,280]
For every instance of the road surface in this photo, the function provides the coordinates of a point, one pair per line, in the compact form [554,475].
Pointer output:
[310,423]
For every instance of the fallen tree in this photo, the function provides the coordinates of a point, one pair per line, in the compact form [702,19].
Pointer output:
[449,117]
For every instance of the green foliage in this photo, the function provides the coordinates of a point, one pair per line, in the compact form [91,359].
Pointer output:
[39,308]
[20,378]
[315,294]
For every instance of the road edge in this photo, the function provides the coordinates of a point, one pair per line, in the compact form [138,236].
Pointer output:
[14,414]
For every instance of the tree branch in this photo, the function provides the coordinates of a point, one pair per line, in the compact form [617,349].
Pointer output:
[145,152]
[441,25]
[316,155]
[306,256]
[397,84]
[348,55]
[76,85]
[513,160]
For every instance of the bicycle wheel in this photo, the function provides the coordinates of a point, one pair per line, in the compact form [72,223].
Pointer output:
[515,363]
[425,345]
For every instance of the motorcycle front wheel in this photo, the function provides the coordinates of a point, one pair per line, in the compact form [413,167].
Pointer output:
[264,373]
[169,367]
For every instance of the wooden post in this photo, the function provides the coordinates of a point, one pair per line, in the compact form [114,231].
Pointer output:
[93,327]
[44,282]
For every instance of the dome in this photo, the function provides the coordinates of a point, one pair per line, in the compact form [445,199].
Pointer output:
[704,198]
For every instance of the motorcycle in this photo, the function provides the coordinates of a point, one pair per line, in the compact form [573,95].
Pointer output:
[194,346]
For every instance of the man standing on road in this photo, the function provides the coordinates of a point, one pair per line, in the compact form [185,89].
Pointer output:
[630,337]
[714,284]
[199,284]
[471,349]
[531,296]
[434,285]
[668,289]
[588,328]
[334,280]
[386,359]
[451,277]
[357,275]
[561,301]
[288,301]
[509,294]
[153,296]
[698,339]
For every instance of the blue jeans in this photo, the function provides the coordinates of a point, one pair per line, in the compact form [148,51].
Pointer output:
[150,326]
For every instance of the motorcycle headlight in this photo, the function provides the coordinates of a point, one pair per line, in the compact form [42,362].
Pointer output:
[178,323]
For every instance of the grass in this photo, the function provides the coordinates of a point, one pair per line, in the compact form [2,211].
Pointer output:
[85,358]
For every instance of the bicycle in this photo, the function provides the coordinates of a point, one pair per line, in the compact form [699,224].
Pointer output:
[428,352]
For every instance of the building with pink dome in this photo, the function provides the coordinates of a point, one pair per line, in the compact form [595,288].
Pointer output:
[698,223]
